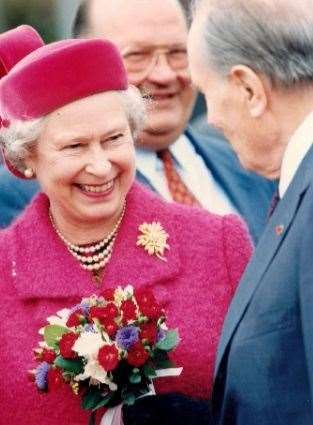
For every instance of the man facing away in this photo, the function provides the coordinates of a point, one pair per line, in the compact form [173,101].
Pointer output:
[179,165]
[258,80]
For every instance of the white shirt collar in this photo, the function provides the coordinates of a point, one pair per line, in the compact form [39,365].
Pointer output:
[297,148]
[147,160]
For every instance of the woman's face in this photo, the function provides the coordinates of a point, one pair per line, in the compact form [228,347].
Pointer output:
[85,159]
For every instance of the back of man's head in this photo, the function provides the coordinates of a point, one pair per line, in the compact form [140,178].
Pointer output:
[274,38]
[152,37]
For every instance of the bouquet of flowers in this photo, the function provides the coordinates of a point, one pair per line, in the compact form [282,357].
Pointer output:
[108,348]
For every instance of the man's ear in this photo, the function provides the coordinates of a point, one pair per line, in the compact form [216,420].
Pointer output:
[252,88]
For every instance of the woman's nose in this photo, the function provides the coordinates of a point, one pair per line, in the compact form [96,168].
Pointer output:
[98,164]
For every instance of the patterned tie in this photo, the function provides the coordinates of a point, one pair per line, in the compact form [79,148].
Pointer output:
[179,191]
[273,204]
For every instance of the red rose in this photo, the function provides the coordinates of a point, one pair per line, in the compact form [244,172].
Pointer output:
[129,310]
[48,356]
[148,304]
[108,294]
[108,357]
[110,328]
[149,332]
[75,319]
[137,355]
[104,314]
[55,379]
[66,344]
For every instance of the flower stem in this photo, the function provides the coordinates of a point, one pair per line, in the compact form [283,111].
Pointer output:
[92,419]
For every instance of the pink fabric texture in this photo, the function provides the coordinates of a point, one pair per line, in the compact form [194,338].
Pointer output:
[38,276]
[15,45]
[60,73]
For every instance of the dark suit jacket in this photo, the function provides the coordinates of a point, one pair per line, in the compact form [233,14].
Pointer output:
[264,367]
[249,193]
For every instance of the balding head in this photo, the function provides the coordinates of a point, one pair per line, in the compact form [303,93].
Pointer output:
[152,36]
[91,14]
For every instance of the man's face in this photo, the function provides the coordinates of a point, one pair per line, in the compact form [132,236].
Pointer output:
[253,139]
[152,36]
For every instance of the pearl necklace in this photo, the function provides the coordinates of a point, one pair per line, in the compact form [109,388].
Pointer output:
[101,251]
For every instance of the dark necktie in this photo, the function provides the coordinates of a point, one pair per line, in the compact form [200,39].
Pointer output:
[273,204]
[178,190]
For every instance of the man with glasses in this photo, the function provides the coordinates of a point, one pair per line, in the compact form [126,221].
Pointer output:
[171,159]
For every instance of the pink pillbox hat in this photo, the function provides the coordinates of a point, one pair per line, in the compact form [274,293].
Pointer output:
[38,79]
[16,44]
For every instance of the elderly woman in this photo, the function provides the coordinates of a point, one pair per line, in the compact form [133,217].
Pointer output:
[69,119]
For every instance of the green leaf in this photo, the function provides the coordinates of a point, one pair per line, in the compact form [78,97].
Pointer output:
[129,398]
[163,363]
[135,378]
[105,401]
[53,333]
[149,372]
[169,342]
[91,398]
[72,366]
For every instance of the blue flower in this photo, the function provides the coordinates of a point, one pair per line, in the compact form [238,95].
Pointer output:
[161,335]
[41,376]
[127,337]
[84,307]
[89,328]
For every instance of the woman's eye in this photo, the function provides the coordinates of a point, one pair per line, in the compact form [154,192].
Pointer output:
[116,137]
[73,146]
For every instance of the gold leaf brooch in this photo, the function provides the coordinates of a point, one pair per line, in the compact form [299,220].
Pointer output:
[153,239]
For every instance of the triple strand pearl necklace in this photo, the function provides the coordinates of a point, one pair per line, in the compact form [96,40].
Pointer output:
[94,256]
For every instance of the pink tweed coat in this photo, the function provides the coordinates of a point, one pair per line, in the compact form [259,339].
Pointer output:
[38,277]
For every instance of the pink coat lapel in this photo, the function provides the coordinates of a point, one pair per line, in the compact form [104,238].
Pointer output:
[43,268]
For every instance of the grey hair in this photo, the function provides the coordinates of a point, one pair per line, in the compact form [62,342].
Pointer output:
[272,38]
[20,138]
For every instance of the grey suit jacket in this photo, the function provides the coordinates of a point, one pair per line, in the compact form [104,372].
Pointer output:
[264,368]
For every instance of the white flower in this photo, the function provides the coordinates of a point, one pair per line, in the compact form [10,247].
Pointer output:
[129,290]
[94,371]
[90,301]
[60,318]
[88,344]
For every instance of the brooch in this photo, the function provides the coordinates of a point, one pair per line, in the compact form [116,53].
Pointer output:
[153,239]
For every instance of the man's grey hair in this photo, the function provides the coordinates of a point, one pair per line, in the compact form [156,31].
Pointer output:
[20,139]
[274,38]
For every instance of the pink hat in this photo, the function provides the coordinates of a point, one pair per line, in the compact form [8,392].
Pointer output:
[54,75]
[16,44]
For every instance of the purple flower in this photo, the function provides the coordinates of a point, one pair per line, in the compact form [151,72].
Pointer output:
[84,307]
[41,377]
[161,335]
[89,328]
[127,337]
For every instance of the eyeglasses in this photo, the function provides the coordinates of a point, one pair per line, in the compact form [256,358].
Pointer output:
[143,61]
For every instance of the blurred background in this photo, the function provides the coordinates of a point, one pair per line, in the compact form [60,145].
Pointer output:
[53,20]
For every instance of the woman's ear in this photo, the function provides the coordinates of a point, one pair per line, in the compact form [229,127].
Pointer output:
[30,166]
[252,89]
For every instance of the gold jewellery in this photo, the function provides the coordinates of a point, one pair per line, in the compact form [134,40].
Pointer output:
[96,255]
[153,239]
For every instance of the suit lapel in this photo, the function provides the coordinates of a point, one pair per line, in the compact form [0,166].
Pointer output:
[274,234]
